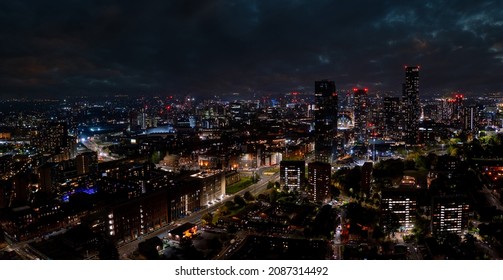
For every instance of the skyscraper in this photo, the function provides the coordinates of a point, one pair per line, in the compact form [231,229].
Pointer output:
[449,214]
[325,120]
[391,107]
[398,207]
[87,163]
[51,137]
[361,112]
[292,173]
[318,175]
[411,105]
[471,116]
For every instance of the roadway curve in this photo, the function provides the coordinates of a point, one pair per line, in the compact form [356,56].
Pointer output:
[127,249]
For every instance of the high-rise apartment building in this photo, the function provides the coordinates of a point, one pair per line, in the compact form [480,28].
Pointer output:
[361,112]
[391,108]
[449,214]
[471,118]
[52,138]
[367,169]
[318,175]
[292,173]
[458,107]
[398,207]
[411,105]
[87,163]
[325,121]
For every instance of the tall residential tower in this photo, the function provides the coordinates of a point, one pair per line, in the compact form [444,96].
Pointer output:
[411,105]
[325,121]
[361,112]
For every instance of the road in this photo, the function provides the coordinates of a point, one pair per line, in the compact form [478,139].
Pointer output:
[22,249]
[488,249]
[486,191]
[233,247]
[127,249]
[25,251]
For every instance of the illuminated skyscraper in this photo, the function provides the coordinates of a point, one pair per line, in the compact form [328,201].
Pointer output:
[471,116]
[411,105]
[292,173]
[398,207]
[449,214]
[325,121]
[458,107]
[87,163]
[391,107]
[318,174]
[361,112]
[52,138]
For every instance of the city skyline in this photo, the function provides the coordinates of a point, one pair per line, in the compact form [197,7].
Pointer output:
[220,47]
[291,177]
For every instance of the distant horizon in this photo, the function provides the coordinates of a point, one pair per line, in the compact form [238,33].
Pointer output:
[238,95]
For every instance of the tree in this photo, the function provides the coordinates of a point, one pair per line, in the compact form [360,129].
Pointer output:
[189,251]
[409,165]
[378,233]
[108,251]
[148,248]
[454,151]
[229,204]
[248,196]
[262,197]
[207,218]
[389,168]
[422,163]
[350,179]
[392,224]
[270,185]
[224,210]
[239,200]
[155,157]
[273,197]
[335,192]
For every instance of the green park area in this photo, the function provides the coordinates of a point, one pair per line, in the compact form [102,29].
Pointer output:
[241,185]
[271,171]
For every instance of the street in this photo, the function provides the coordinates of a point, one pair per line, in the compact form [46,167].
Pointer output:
[127,249]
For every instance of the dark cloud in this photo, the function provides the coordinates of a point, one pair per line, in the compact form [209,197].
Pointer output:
[210,47]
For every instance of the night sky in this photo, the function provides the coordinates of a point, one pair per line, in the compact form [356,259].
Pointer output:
[203,48]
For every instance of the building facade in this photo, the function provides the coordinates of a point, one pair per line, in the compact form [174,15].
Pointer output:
[411,105]
[361,113]
[319,180]
[325,120]
[129,220]
[449,214]
[391,108]
[398,207]
[292,174]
